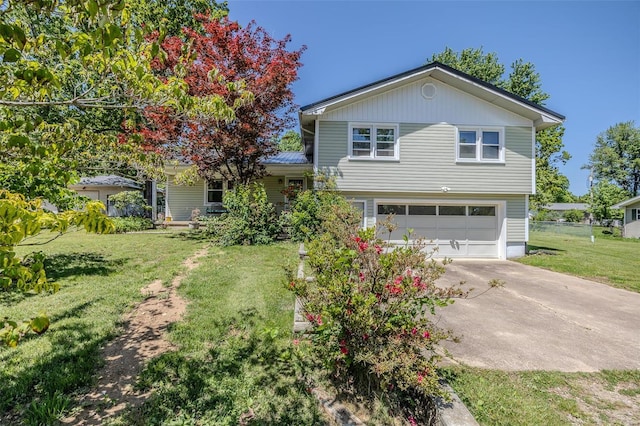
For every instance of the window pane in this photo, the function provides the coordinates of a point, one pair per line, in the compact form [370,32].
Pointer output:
[361,153]
[214,196]
[361,134]
[229,185]
[385,153]
[467,136]
[215,184]
[482,211]
[453,210]
[385,145]
[362,145]
[491,152]
[385,134]
[490,138]
[467,151]
[391,209]
[422,210]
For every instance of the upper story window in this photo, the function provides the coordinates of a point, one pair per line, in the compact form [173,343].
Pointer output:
[480,144]
[379,141]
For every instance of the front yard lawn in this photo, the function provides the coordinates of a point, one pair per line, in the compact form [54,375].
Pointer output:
[613,261]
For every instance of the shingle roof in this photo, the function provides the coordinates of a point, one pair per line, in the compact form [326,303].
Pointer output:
[287,157]
[109,180]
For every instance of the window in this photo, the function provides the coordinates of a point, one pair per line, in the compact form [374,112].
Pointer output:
[480,145]
[635,214]
[482,211]
[392,209]
[373,141]
[452,210]
[422,210]
[214,191]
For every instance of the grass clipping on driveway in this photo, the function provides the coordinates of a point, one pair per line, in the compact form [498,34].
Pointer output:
[234,365]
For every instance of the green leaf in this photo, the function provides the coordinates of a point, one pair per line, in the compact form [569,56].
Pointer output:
[11,55]
[39,324]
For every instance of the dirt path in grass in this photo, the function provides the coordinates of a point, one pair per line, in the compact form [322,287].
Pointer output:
[125,356]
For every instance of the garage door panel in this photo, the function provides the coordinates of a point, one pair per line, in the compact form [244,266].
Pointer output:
[475,235]
[481,234]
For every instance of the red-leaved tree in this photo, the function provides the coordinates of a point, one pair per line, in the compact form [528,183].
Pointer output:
[224,57]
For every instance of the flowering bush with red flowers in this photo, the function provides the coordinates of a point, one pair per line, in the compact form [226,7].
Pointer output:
[371,308]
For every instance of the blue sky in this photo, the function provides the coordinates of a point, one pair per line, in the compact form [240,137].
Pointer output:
[587,52]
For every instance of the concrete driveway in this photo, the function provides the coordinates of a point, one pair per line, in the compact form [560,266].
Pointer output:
[540,320]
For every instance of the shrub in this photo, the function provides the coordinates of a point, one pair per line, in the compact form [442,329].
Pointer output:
[250,218]
[132,224]
[573,215]
[129,204]
[304,220]
[371,308]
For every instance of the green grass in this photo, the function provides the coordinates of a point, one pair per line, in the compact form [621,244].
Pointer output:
[100,278]
[549,398]
[236,359]
[610,260]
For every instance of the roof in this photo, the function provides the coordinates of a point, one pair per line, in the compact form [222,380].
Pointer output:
[626,203]
[109,180]
[287,157]
[542,116]
[566,206]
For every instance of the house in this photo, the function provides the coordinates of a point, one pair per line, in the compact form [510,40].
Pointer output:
[284,170]
[450,156]
[100,188]
[631,221]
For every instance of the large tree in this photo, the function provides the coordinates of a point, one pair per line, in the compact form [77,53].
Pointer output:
[616,157]
[524,81]
[70,73]
[227,57]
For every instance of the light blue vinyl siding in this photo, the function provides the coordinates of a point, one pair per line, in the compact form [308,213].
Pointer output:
[427,162]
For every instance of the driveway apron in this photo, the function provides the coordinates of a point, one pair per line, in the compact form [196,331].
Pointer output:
[540,320]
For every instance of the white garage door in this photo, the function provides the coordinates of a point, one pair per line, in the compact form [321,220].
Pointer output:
[469,230]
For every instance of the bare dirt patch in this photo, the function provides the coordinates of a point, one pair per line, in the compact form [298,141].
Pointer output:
[143,338]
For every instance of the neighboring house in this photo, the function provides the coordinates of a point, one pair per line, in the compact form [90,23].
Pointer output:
[452,157]
[284,170]
[100,188]
[631,221]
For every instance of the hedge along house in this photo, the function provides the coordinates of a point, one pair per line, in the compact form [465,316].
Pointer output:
[450,156]
[284,170]
[631,221]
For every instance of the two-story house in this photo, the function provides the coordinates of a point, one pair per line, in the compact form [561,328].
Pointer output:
[450,156]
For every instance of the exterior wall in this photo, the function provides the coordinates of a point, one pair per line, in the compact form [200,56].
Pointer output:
[427,162]
[182,199]
[406,104]
[632,226]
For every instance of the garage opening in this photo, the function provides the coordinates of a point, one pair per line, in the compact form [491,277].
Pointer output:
[458,230]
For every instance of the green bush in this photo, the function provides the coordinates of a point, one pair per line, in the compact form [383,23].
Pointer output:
[129,203]
[573,215]
[131,224]
[304,220]
[250,218]
[371,310]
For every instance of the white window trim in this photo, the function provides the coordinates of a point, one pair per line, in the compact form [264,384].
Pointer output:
[372,152]
[206,192]
[479,130]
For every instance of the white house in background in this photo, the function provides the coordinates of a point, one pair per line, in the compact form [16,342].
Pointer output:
[100,188]
[451,156]
[631,221]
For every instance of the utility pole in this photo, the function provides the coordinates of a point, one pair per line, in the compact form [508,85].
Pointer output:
[593,240]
